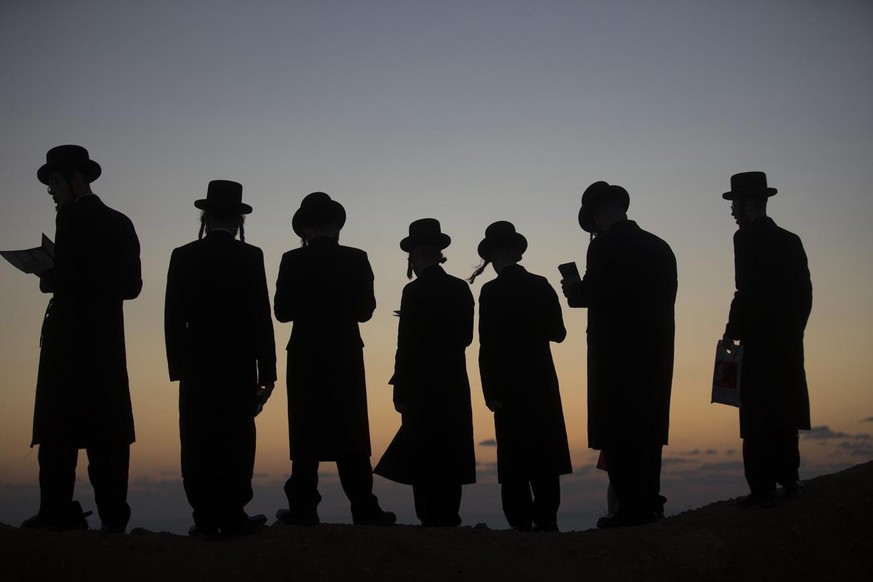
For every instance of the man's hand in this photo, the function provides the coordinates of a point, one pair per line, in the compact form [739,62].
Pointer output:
[570,287]
[401,408]
[263,394]
[728,343]
[494,405]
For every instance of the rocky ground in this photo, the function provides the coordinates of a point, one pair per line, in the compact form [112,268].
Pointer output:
[825,535]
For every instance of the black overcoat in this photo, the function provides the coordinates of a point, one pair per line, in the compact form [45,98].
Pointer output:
[768,315]
[219,336]
[435,442]
[519,314]
[629,288]
[82,390]
[326,289]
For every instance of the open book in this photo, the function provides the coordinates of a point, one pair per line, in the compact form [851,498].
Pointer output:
[34,260]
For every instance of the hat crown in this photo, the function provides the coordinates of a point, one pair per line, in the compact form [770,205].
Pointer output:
[66,155]
[314,199]
[224,192]
[424,227]
[748,180]
[500,228]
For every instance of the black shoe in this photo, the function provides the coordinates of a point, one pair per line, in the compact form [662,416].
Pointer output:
[249,526]
[204,533]
[296,517]
[626,519]
[756,498]
[377,517]
[36,522]
[793,490]
[74,520]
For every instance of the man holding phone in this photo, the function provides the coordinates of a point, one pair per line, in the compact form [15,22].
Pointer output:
[629,288]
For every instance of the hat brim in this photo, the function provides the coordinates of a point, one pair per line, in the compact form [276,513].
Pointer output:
[749,193]
[203,204]
[440,240]
[514,241]
[89,169]
[331,212]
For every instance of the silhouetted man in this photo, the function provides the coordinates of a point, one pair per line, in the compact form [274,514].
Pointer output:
[220,346]
[519,315]
[629,288]
[82,392]
[433,451]
[768,317]
[326,289]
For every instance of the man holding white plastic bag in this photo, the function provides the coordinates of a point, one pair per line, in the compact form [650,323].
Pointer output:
[768,317]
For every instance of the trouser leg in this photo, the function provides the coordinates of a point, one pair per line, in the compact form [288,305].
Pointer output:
[787,457]
[356,478]
[57,481]
[758,464]
[546,500]
[437,504]
[653,480]
[517,503]
[108,470]
[628,468]
[301,489]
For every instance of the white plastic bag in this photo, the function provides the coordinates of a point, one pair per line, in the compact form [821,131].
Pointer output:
[727,374]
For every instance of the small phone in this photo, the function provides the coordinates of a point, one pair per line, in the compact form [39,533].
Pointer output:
[569,271]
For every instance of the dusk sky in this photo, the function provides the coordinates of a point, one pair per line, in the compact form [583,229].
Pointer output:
[470,112]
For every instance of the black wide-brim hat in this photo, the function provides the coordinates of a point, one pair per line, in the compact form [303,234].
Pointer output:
[317,209]
[501,235]
[597,194]
[749,185]
[67,158]
[223,199]
[425,232]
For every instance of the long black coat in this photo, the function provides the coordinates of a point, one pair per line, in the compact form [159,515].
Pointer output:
[326,289]
[435,442]
[519,315]
[768,314]
[629,288]
[82,391]
[219,335]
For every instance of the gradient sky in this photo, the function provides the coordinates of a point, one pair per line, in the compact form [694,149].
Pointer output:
[468,111]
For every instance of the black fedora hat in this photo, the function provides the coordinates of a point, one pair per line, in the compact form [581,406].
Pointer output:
[317,209]
[66,158]
[501,235]
[425,232]
[596,194]
[223,199]
[749,185]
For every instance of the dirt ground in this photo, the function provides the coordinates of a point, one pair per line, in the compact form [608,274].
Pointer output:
[825,535]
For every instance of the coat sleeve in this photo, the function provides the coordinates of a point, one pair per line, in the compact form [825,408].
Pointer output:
[174,318]
[405,334]
[740,306]
[129,267]
[588,292]
[552,316]
[366,297]
[489,337]
[284,302]
[265,341]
